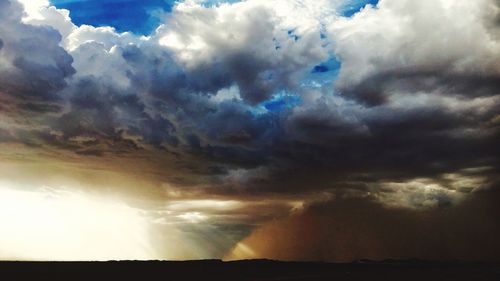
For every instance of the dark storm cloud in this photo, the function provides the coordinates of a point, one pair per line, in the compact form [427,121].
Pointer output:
[200,122]
[256,78]
[427,109]
[33,69]
[330,147]
[377,89]
[38,64]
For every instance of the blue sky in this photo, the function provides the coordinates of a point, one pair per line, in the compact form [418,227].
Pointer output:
[125,15]
[354,6]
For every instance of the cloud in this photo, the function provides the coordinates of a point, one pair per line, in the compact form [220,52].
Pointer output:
[33,63]
[261,46]
[404,46]
[32,8]
[33,70]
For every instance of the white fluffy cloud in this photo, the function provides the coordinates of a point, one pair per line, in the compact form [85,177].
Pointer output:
[448,36]
[261,45]
[33,8]
[95,50]
[265,45]
[271,30]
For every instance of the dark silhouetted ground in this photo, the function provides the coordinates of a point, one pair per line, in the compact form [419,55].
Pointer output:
[256,270]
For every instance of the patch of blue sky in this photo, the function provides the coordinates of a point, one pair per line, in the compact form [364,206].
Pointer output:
[322,74]
[352,7]
[330,65]
[138,16]
[281,101]
[292,35]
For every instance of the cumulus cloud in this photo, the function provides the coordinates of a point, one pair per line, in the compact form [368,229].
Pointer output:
[404,46]
[33,66]
[261,46]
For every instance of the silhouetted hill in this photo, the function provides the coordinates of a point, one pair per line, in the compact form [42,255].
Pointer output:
[248,270]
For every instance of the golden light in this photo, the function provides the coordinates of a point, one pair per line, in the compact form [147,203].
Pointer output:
[241,251]
[193,217]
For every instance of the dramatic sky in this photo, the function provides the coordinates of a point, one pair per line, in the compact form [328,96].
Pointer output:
[326,130]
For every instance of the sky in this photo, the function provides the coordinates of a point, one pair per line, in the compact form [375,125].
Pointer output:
[311,130]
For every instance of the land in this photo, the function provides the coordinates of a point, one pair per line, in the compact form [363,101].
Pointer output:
[251,270]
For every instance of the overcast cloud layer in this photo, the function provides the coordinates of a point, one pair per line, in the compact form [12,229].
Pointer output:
[396,106]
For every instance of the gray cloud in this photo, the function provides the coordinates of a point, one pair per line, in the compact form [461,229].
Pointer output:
[445,47]
[261,52]
[34,66]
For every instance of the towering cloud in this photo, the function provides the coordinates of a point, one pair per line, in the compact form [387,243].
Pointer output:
[33,65]
[261,46]
[440,47]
